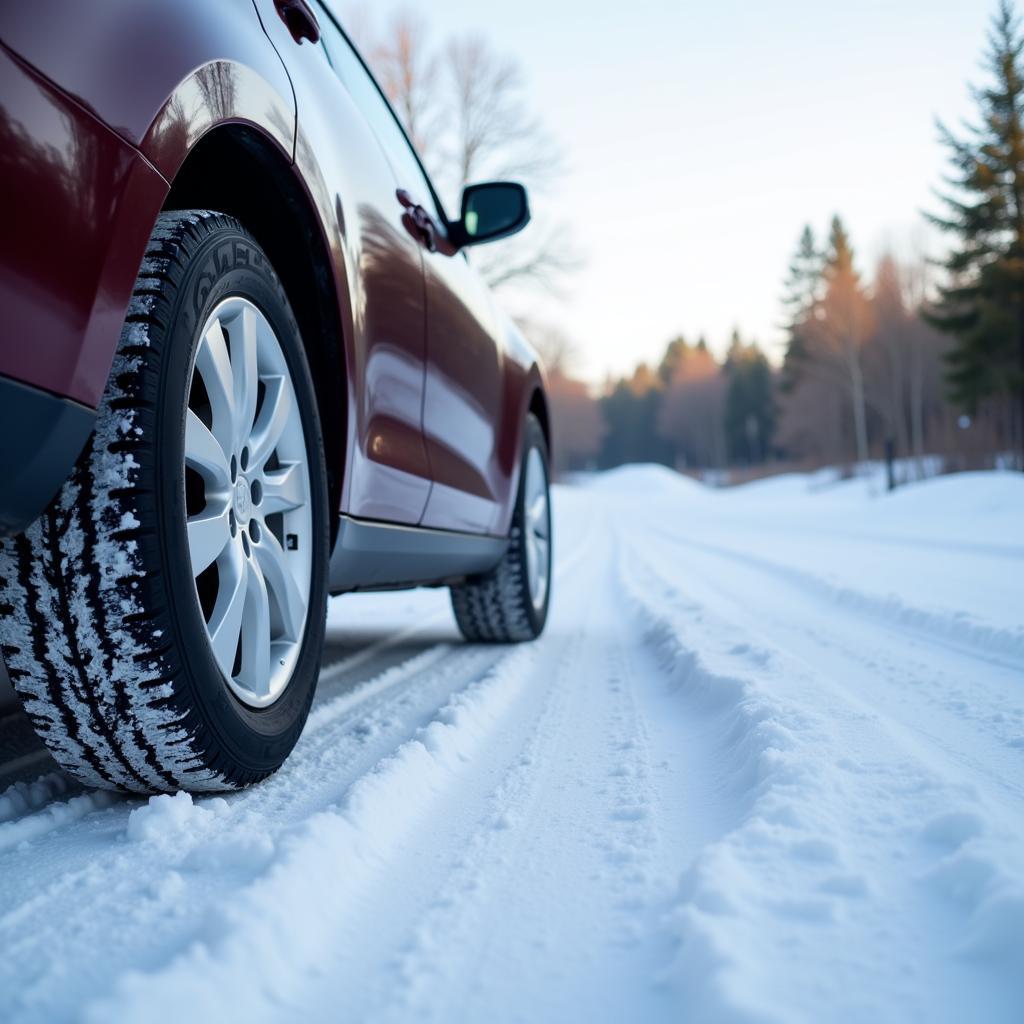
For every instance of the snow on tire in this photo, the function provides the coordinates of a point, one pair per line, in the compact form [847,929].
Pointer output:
[101,626]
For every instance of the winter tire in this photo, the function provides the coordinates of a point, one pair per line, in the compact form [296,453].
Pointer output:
[510,603]
[162,622]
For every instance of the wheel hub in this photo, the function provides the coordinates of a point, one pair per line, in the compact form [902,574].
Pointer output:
[243,500]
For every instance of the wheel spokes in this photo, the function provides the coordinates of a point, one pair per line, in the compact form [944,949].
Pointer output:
[254,673]
[209,533]
[290,601]
[538,515]
[214,366]
[225,625]
[245,375]
[277,407]
[284,489]
[204,454]
[537,527]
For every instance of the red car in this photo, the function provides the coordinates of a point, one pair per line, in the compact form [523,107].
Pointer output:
[245,364]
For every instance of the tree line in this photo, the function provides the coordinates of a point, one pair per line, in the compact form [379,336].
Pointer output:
[919,358]
[916,357]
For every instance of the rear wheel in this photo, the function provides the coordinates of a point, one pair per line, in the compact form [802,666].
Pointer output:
[163,621]
[510,603]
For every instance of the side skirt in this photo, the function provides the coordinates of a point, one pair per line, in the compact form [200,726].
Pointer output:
[381,556]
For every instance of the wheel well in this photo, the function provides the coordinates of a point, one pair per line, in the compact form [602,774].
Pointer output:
[539,408]
[235,170]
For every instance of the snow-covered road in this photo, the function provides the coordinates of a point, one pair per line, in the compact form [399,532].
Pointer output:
[766,764]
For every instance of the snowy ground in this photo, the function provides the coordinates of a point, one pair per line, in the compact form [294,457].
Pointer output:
[766,764]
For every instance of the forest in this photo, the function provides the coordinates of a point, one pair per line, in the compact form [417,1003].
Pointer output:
[921,357]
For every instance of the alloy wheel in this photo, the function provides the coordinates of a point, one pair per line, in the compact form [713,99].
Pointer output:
[537,528]
[248,502]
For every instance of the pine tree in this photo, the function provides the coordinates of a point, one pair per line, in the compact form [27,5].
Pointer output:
[803,288]
[982,303]
[630,411]
[675,353]
[749,403]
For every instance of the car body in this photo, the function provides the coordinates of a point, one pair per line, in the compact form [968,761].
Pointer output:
[245,364]
[422,382]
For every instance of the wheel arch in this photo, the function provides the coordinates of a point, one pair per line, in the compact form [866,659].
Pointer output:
[539,407]
[236,169]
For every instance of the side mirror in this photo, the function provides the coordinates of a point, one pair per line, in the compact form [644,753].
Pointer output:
[491,211]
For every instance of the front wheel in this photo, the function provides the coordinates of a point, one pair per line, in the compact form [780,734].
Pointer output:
[510,603]
[163,620]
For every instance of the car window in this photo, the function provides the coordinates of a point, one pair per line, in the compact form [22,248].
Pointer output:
[349,67]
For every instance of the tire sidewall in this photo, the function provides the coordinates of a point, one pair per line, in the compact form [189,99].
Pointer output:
[228,263]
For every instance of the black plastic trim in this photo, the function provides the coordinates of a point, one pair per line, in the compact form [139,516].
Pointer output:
[383,556]
[41,436]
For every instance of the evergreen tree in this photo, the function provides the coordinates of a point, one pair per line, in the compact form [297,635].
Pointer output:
[982,303]
[630,411]
[675,353]
[803,290]
[749,403]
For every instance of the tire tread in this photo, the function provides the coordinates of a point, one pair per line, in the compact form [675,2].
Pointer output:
[497,608]
[85,631]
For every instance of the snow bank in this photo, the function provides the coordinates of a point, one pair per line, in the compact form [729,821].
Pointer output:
[647,479]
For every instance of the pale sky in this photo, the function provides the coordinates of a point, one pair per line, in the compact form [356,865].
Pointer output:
[699,138]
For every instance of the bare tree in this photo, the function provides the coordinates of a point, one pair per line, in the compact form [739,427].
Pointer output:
[557,350]
[578,426]
[838,331]
[927,348]
[692,410]
[495,135]
[464,107]
[812,415]
[888,352]
[409,73]
[539,257]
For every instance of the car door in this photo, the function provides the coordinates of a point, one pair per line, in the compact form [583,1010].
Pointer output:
[463,397]
[340,155]
[463,387]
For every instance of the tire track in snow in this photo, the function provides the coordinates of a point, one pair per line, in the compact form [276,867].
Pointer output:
[235,841]
[500,677]
[59,801]
[547,900]
[1001,647]
[142,888]
[966,705]
[27,752]
[323,873]
[873,907]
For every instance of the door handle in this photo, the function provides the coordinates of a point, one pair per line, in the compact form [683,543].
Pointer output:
[417,221]
[299,19]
